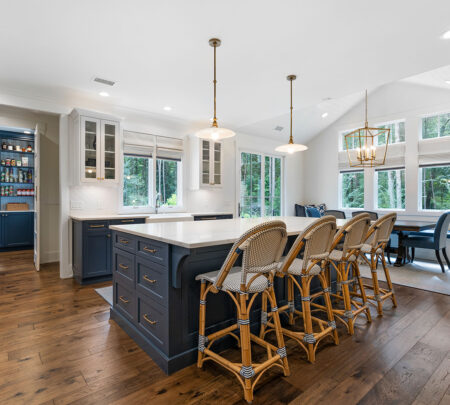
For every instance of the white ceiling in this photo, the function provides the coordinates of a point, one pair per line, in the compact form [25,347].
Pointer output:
[158,53]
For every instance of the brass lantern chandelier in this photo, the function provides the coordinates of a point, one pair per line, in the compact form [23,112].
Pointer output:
[365,146]
[291,147]
[214,132]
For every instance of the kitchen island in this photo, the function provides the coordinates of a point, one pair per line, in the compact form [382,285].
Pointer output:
[155,295]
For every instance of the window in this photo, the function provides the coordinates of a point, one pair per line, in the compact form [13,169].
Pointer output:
[257,199]
[397,135]
[167,173]
[152,171]
[136,181]
[390,186]
[436,126]
[435,187]
[352,189]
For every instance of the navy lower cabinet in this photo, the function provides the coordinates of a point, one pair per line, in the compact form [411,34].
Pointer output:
[16,229]
[92,249]
[212,217]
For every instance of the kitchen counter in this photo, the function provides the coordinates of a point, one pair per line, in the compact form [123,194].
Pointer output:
[208,233]
[155,294]
[156,217]
[102,217]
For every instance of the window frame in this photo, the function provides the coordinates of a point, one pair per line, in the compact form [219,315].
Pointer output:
[375,189]
[419,187]
[262,190]
[340,191]
[429,115]
[151,208]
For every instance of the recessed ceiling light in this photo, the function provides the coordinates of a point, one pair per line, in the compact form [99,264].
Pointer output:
[447,81]
[325,115]
[446,35]
[167,108]
[27,132]
[104,94]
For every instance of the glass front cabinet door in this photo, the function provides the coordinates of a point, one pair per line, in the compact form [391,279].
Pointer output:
[210,163]
[99,141]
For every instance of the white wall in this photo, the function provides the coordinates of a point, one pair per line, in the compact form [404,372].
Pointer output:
[49,169]
[390,102]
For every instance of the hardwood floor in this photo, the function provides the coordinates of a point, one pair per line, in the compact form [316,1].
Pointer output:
[57,346]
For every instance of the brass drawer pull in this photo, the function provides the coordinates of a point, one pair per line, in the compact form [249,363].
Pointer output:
[127,220]
[96,226]
[149,320]
[124,241]
[149,280]
[149,250]
[122,266]
[125,301]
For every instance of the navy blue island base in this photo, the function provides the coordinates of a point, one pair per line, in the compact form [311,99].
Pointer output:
[156,297]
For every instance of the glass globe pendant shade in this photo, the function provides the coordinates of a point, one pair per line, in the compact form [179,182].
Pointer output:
[291,148]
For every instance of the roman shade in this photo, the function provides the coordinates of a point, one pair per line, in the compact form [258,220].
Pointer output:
[434,151]
[142,144]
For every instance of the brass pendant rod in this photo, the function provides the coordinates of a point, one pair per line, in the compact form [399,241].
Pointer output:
[291,140]
[367,122]
[215,81]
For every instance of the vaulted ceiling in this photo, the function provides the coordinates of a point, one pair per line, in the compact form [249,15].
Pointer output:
[158,54]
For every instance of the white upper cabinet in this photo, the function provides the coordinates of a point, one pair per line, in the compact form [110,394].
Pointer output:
[206,163]
[95,147]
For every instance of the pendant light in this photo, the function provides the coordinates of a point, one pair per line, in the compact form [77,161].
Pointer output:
[214,132]
[367,147]
[291,147]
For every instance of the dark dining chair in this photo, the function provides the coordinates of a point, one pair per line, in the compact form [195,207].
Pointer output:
[437,241]
[335,213]
[373,215]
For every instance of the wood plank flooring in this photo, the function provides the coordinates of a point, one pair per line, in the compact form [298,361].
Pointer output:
[58,346]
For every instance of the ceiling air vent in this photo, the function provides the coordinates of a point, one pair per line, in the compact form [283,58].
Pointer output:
[278,128]
[104,81]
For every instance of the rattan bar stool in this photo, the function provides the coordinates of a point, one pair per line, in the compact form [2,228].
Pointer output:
[261,248]
[343,259]
[375,242]
[316,240]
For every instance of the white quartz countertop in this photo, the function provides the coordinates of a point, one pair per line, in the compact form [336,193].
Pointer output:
[160,216]
[98,217]
[209,233]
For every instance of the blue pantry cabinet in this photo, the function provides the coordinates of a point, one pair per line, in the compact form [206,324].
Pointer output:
[16,229]
[92,249]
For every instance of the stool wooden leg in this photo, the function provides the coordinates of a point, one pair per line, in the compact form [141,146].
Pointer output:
[291,303]
[309,338]
[278,331]
[346,295]
[389,282]
[362,290]
[376,286]
[201,329]
[330,315]
[247,371]
[263,315]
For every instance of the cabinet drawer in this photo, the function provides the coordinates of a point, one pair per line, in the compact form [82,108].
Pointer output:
[124,265]
[93,226]
[124,298]
[123,241]
[126,221]
[152,320]
[152,280]
[153,250]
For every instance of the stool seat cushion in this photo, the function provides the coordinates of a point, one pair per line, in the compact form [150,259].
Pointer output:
[297,266]
[336,256]
[424,242]
[233,280]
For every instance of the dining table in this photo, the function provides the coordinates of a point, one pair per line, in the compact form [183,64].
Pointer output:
[402,228]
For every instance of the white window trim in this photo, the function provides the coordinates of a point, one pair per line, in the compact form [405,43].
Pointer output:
[151,208]
[341,207]
[429,115]
[238,179]
[422,211]
[375,191]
